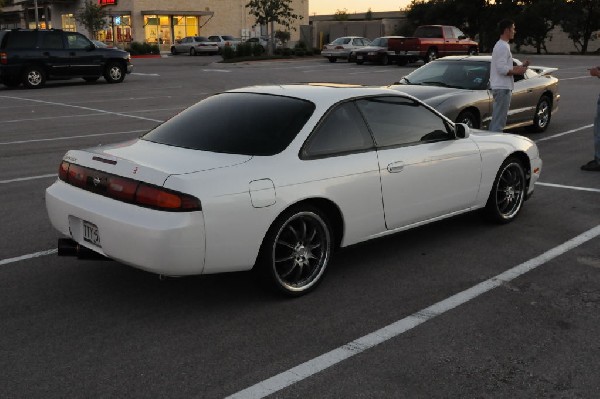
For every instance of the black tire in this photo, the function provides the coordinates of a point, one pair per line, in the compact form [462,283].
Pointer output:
[385,60]
[332,59]
[296,251]
[173,51]
[468,118]
[91,79]
[193,52]
[34,77]
[508,192]
[114,72]
[543,115]
[351,57]
[360,62]
[472,51]
[431,55]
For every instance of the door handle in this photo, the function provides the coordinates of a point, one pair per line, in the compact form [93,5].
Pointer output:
[395,167]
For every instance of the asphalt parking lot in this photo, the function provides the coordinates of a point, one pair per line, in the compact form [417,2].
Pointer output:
[460,308]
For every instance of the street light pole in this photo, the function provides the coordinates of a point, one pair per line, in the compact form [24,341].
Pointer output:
[37,21]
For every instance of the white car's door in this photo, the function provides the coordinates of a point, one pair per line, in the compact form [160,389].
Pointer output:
[426,172]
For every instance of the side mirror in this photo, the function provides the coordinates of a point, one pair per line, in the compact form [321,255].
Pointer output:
[462,131]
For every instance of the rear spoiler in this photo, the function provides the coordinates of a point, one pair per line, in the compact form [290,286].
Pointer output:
[543,70]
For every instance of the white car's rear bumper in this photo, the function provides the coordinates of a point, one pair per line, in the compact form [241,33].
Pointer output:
[169,243]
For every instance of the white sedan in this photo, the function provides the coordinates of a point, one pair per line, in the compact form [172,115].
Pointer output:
[344,47]
[299,172]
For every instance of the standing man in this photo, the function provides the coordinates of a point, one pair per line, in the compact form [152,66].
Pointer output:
[501,75]
[594,165]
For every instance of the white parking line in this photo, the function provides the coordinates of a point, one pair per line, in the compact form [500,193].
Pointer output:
[27,178]
[331,358]
[144,74]
[80,107]
[70,137]
[25,257]
[564,133]
[594,190]
[578,77]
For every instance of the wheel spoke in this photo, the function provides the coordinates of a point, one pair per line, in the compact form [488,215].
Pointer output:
[285,244]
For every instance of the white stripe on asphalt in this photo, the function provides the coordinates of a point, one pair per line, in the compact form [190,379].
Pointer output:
[80,107]
[70,137]
[25,257]
[578,77]
[329,359]
[595,190]
[27,178]
[145,74]
[564,133]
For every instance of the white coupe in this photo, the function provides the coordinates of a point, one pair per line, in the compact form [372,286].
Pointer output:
[278,177]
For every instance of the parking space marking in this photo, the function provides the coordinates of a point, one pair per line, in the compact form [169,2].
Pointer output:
[71,137]
[594,190]
[25,257]
[80,107]
[331,358]
[578,77]
[564,133]
[144,74]
[27,178]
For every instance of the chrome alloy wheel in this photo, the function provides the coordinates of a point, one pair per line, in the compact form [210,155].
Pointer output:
[543,114]
[510,190]
[115,72]
[34,78]
[301,251]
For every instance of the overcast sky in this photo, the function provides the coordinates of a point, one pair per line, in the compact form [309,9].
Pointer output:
[320,7]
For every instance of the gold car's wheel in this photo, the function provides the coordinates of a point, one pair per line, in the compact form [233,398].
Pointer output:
[469,119]
[543,114]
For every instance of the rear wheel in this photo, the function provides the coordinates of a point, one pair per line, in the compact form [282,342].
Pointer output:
[351,57]
[34,77]
[508,192]
[431,55]
[472,51]
[332,59]
[360,62]
[543,114]
[192,51]
[296,251]
[173,51]
[114,72]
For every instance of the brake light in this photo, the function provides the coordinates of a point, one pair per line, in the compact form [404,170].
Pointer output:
[3,58]
[127,190]
[339,47]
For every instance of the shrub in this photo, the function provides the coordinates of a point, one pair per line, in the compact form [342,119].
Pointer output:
[228,53]
[243,49]
[299,52]
[257,50]
[137,48]
[286,52]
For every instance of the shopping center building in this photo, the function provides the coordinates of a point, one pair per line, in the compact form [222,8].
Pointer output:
[151,21]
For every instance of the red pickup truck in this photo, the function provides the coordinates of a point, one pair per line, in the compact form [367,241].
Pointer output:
[431,42]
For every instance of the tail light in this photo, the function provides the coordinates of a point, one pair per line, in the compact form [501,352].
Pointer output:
[127,190]
[3,58]
[339,47]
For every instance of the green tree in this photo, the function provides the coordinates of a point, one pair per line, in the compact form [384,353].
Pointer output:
[536,21]
[369,15]
[341,15]
[580,19]
[92,17]
[269,12]
[283,36]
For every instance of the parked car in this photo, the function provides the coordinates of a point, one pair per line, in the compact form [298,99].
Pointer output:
[263,42]
[194,45]
[300,171]
[433,41]
[378,51]
[344,48]
[33,56]
[224,40]
[458,88]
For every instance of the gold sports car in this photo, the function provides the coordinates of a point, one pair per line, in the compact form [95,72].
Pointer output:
[458,87]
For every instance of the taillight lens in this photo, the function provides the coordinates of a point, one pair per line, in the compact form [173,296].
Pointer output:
[127,190]
[339,47]
[3,58]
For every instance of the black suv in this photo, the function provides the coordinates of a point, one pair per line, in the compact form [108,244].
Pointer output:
[30,56]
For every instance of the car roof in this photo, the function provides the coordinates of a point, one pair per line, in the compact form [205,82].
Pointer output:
[329,93]
[487,58]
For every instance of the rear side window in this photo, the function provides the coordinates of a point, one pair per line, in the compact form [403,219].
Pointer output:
[21,40]
[236,123]
[52,40]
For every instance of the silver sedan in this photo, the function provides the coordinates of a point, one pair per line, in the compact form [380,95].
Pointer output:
[458,87]
[194,45]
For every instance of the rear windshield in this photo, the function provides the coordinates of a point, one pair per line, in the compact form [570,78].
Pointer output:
[341,40]
[429,32]
[236,123]
[228,38]
[200,39]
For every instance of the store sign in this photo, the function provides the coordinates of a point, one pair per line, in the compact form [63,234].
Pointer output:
[107,2]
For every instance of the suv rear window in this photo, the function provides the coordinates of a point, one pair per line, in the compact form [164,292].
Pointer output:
[21,40]
[236,123]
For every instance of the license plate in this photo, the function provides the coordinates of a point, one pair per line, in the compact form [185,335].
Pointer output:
[90,233]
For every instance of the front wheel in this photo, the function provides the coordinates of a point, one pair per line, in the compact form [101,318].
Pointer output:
[34,77]
[296,251]
[114,73]
[173,51]
[469,119]
[543,114]
[508,192]
[431,55]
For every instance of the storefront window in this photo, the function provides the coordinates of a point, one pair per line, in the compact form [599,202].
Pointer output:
[157,29]
[185,26]
[68,22]
[117,30]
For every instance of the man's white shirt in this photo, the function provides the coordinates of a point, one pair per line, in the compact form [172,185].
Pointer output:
[502,62]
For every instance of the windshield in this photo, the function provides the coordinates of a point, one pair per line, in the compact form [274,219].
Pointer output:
[380,42]
[341,40]
[228,38]
[236,123]
[470,75]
